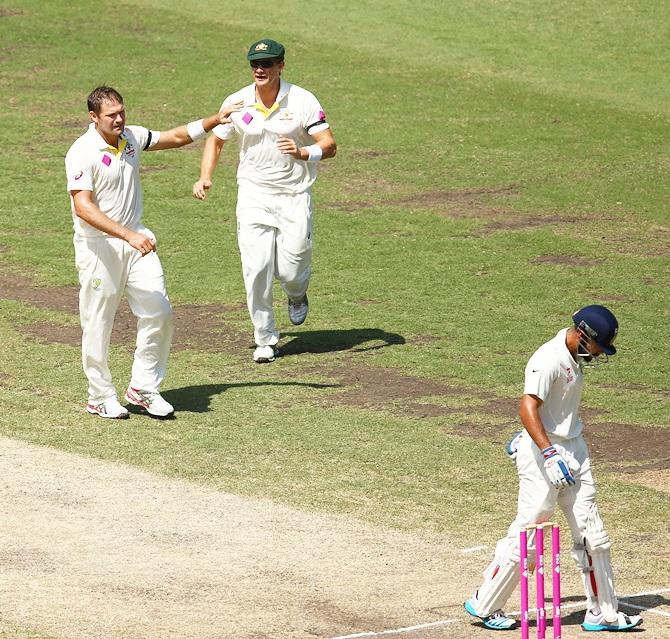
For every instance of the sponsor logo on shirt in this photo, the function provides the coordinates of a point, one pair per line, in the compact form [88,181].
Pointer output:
[247,117]
[322,115]
[78,176]
[96,283]
[130,150]
[570,377]
[106,160]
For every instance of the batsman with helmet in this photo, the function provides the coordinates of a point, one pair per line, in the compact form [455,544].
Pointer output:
[554,468]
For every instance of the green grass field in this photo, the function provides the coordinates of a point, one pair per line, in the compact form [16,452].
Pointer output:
[500,164]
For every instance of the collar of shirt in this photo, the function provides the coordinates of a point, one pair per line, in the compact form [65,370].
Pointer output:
[102,143]
[260,107]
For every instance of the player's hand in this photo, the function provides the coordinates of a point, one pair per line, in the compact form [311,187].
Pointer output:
[511,448]
[288,146]
[200,189]
[141,242]
[224,114]
[557,468]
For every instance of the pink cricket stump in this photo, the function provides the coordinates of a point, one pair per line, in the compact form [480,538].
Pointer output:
[556,578]
[523,577]
[539,582]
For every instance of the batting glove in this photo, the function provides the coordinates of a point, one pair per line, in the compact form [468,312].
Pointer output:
[512,446]
[557,468]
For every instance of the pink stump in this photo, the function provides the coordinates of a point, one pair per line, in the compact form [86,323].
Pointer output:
[556,578]
[523,581]
[539,582]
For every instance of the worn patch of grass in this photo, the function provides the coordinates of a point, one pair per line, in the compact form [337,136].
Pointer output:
[478,143]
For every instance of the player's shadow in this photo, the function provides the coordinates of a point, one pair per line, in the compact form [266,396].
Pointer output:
[351,339]
[197,399]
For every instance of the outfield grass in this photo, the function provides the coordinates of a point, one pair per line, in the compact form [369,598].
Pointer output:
[537,131]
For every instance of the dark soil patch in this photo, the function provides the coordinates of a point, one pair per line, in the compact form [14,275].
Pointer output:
[391,390]
[200,327]
[466,202]
[205,327]
[432,199]
[646,448]
[506,221]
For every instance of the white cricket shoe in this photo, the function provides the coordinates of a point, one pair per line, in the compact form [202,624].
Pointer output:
[151,401]
[298,309]
[265,354]
[596,623]
[497,620]
[108,408]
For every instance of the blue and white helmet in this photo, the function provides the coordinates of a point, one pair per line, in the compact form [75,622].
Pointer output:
[597,324]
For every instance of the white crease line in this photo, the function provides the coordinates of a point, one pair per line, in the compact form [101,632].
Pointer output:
[397,631]
[516,613]
[466,551]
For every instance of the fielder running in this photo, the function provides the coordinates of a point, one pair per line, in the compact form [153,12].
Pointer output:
[554,468]
[115,253]
[283,133]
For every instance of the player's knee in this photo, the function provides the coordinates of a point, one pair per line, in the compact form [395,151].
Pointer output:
[508,550]
[158,308]
[597,541]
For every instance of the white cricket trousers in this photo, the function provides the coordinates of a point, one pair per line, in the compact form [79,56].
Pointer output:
[274,233]
[108,267]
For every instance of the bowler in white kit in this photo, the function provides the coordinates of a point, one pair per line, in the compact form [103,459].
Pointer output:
[116,254]
[283,133]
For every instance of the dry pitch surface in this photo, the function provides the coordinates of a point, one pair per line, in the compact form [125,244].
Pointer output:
[94,549]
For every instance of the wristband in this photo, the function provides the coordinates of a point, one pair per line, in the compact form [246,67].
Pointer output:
[549,451]
[315,152]
[195,129]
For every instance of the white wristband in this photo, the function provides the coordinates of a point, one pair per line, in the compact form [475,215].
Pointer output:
[195,129]
[315,152]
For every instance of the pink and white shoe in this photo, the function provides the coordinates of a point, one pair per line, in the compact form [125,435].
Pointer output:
[151,401]
[108,408]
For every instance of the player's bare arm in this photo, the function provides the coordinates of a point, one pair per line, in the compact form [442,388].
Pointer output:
[210,158]
[87,210]
[183,135]
[529,412]
[323,139]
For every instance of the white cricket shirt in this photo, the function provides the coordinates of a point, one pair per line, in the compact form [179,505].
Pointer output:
[296,114]
[112,175]
[554,376]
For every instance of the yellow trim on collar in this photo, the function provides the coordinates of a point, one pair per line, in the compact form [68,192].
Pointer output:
[119,151]
[264,110]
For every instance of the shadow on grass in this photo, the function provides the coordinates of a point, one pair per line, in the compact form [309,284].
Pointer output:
[196,399]
[354,339]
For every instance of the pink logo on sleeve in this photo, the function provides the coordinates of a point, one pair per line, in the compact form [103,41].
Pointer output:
[106,160]
[247,117]
[322,115]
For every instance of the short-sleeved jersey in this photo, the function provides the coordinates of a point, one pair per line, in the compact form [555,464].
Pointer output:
[112,175]
[296,114]
[557,379]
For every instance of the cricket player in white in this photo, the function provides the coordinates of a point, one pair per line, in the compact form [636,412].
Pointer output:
[283,133]
[554,468]
[115,253]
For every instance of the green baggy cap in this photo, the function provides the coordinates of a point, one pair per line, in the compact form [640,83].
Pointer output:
[265,48]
